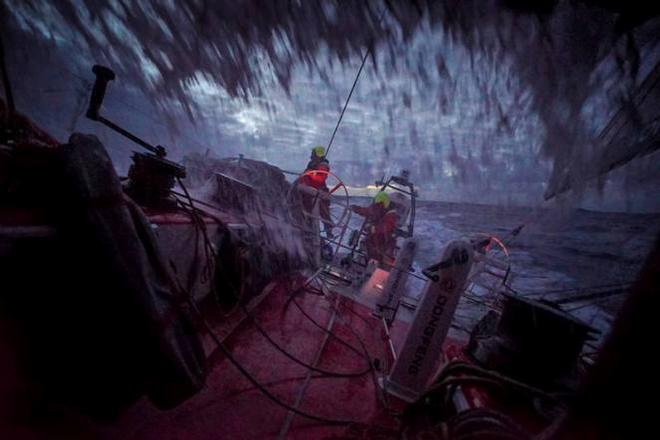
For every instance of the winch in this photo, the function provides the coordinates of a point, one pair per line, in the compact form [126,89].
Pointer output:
[151,177]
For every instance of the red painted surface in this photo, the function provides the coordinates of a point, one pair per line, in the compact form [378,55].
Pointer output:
[479,396]
[230,407]
[476,396]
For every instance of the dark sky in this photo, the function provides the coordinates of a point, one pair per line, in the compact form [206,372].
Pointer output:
[482,103]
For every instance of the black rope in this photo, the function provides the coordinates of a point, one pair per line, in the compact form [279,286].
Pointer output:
[279,348]
[227,353]
[331,334]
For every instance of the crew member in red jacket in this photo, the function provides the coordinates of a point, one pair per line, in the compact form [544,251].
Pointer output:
[381,224]
[315,177]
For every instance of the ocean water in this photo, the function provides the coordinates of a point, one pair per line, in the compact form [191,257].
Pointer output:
[557,254]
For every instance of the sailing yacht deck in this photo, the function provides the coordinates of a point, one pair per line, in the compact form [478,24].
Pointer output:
[231,407]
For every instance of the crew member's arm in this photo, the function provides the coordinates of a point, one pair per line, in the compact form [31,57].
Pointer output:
[360,210]
[387,225]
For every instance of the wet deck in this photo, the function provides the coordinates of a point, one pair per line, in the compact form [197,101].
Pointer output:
[231,407]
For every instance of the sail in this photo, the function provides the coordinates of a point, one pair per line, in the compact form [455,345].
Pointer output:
[633,132]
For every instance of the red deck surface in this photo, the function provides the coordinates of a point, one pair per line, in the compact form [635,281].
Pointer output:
[230,407]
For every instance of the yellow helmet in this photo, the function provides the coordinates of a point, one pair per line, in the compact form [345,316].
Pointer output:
[382,198]
[318,151]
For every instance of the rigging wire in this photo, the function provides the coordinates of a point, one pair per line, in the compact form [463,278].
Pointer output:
[350,94]
[348,99]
